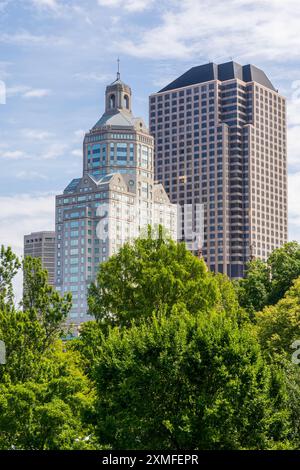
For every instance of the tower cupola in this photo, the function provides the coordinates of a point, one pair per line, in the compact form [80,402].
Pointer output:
[118,96]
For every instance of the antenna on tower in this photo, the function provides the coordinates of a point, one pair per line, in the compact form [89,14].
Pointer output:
[118,72]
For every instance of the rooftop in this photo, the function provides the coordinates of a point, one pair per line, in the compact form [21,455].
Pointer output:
[223,72]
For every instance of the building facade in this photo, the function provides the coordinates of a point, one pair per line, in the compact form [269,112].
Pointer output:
[42,245]
[113,201]
[220,141]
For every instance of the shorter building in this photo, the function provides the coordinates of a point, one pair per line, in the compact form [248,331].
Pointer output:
[42,245]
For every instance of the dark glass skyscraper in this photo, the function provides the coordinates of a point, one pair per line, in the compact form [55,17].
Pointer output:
[220,140]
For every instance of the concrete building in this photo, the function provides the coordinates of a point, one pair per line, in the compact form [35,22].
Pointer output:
[42,245]
[113,201]
[220,140]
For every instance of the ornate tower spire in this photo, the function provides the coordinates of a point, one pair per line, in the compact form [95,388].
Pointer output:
[118,95]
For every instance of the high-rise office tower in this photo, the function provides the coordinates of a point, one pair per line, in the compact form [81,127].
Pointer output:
[42,245]
[220,140]
[113,201]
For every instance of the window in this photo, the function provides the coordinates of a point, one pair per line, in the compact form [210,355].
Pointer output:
[112,101]
[126,101]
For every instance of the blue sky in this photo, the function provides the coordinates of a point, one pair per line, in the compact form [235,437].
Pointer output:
[56,57]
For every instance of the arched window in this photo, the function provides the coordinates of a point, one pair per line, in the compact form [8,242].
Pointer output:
[126,100]
[112,101]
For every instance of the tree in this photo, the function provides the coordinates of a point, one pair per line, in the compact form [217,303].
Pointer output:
[279,325]
[186,381]
[42,301]
[9,266]
[147,276]
[30,332]
[278,328]
[266,282]
[253,291]
[46,400]
[49,411]
[285,268]
[228,301]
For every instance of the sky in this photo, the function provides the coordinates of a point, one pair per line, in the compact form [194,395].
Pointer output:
[57,56]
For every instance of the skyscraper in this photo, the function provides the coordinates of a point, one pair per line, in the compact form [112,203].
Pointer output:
[220,140]
[42,245]
[113,201]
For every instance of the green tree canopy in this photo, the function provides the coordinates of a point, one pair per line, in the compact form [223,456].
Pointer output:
[50,410]
[9,266]
[46,400]
[187,382]
[266,282]
[278,329]
[279,325]
[150,275]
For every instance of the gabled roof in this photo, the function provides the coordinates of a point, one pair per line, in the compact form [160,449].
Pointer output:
[227,71]
[71,188]
[159,193]
[78,183]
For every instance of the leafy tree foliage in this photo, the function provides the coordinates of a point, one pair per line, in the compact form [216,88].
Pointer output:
[9,266]
[171,362]
[186,382]
[253,290]
[138,395]
[30,332]
[285,268]
[266,282]
[150,275]
[279,325]
[278,328]
[45,399]
[50,410]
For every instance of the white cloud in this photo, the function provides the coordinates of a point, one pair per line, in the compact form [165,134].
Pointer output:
[82,13]
[79,134]
[26,92]
[52,4]
[16,90]
[21,215]
[13,154]
[61,9]
[294,209]
[293,112]
[55,150]
[36,134]
[4,66]
[215,30]
[25,38]
[77,153]
[50,152]
[129,5]
[25,213]
[30,175]
[36,93]
[293,140]
[97,77]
